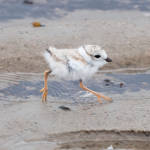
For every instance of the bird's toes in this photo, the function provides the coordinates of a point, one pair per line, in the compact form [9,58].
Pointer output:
[44,98]
[99,100]
[107,98]
[110,99]
[42,90]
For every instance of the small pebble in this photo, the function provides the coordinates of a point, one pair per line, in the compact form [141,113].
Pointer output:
[107,84]
[65,108]
[28,2]
[107,80]
[121,85]
[37,24]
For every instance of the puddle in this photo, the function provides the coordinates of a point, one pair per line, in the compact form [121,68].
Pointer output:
[23,86]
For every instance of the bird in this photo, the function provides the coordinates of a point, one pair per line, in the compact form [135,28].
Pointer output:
[75,64]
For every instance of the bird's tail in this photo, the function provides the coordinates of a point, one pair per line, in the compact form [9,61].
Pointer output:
[48,53]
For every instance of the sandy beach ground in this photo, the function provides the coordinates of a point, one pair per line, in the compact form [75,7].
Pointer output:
[27,123]
[120,27]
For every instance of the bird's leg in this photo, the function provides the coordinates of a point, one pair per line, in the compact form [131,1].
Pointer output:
[45,89]
[95,93]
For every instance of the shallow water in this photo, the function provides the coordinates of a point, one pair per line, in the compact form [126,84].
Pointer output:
[48,8]
[23,86]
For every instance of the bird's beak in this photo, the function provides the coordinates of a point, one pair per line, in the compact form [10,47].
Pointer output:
[108,59]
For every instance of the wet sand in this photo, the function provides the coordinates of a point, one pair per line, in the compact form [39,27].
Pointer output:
[27,123]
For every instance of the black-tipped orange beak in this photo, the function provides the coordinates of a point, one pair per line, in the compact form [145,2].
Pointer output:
[108,59]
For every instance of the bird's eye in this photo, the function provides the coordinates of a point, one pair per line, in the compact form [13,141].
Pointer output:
[97,56]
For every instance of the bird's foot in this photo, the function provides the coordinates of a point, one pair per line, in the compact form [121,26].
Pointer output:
[99,99]
[99,96]
[44,96]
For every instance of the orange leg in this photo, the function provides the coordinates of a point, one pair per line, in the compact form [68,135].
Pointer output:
[95,93]
[45,89]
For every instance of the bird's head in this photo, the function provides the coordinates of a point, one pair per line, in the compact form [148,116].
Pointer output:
[97,54]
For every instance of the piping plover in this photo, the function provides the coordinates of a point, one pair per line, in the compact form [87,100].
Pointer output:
[75,64]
